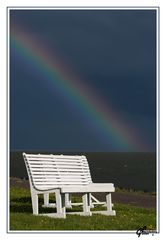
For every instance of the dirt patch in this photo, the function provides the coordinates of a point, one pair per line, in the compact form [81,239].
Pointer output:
[18,182]
[139,200]
[135,199]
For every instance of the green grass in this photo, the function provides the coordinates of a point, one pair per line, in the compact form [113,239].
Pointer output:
[127,218]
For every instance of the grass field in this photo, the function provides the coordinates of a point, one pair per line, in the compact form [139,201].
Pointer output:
[127,218]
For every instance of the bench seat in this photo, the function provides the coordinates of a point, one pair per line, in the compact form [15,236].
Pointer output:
[92,187]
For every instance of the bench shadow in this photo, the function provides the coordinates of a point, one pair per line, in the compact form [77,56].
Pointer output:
[24,205]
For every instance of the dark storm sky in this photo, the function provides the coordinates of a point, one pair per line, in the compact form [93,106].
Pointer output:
[114,51]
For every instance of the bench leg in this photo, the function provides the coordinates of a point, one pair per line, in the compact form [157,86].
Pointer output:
[86,198]
[91,202]
[68,200]
[35,205]
[60,203]
[109,205]
[46,199]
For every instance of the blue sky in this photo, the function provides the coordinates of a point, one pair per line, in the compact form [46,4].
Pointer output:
[113,52]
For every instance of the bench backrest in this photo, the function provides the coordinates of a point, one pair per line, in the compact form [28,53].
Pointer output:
[48,171]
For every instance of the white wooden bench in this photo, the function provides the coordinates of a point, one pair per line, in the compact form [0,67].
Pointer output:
[64,175]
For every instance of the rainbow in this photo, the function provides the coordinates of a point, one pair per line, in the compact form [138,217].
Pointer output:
[109,127]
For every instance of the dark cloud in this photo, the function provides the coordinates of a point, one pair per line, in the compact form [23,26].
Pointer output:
[113,51]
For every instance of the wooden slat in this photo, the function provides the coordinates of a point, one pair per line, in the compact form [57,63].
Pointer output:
[61,183]
[44,171]
[52,156]
[39,176]
[58,167]
[62,176]
[74,172]
[62,173]
[55,162]
[54,159]
[54,182]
